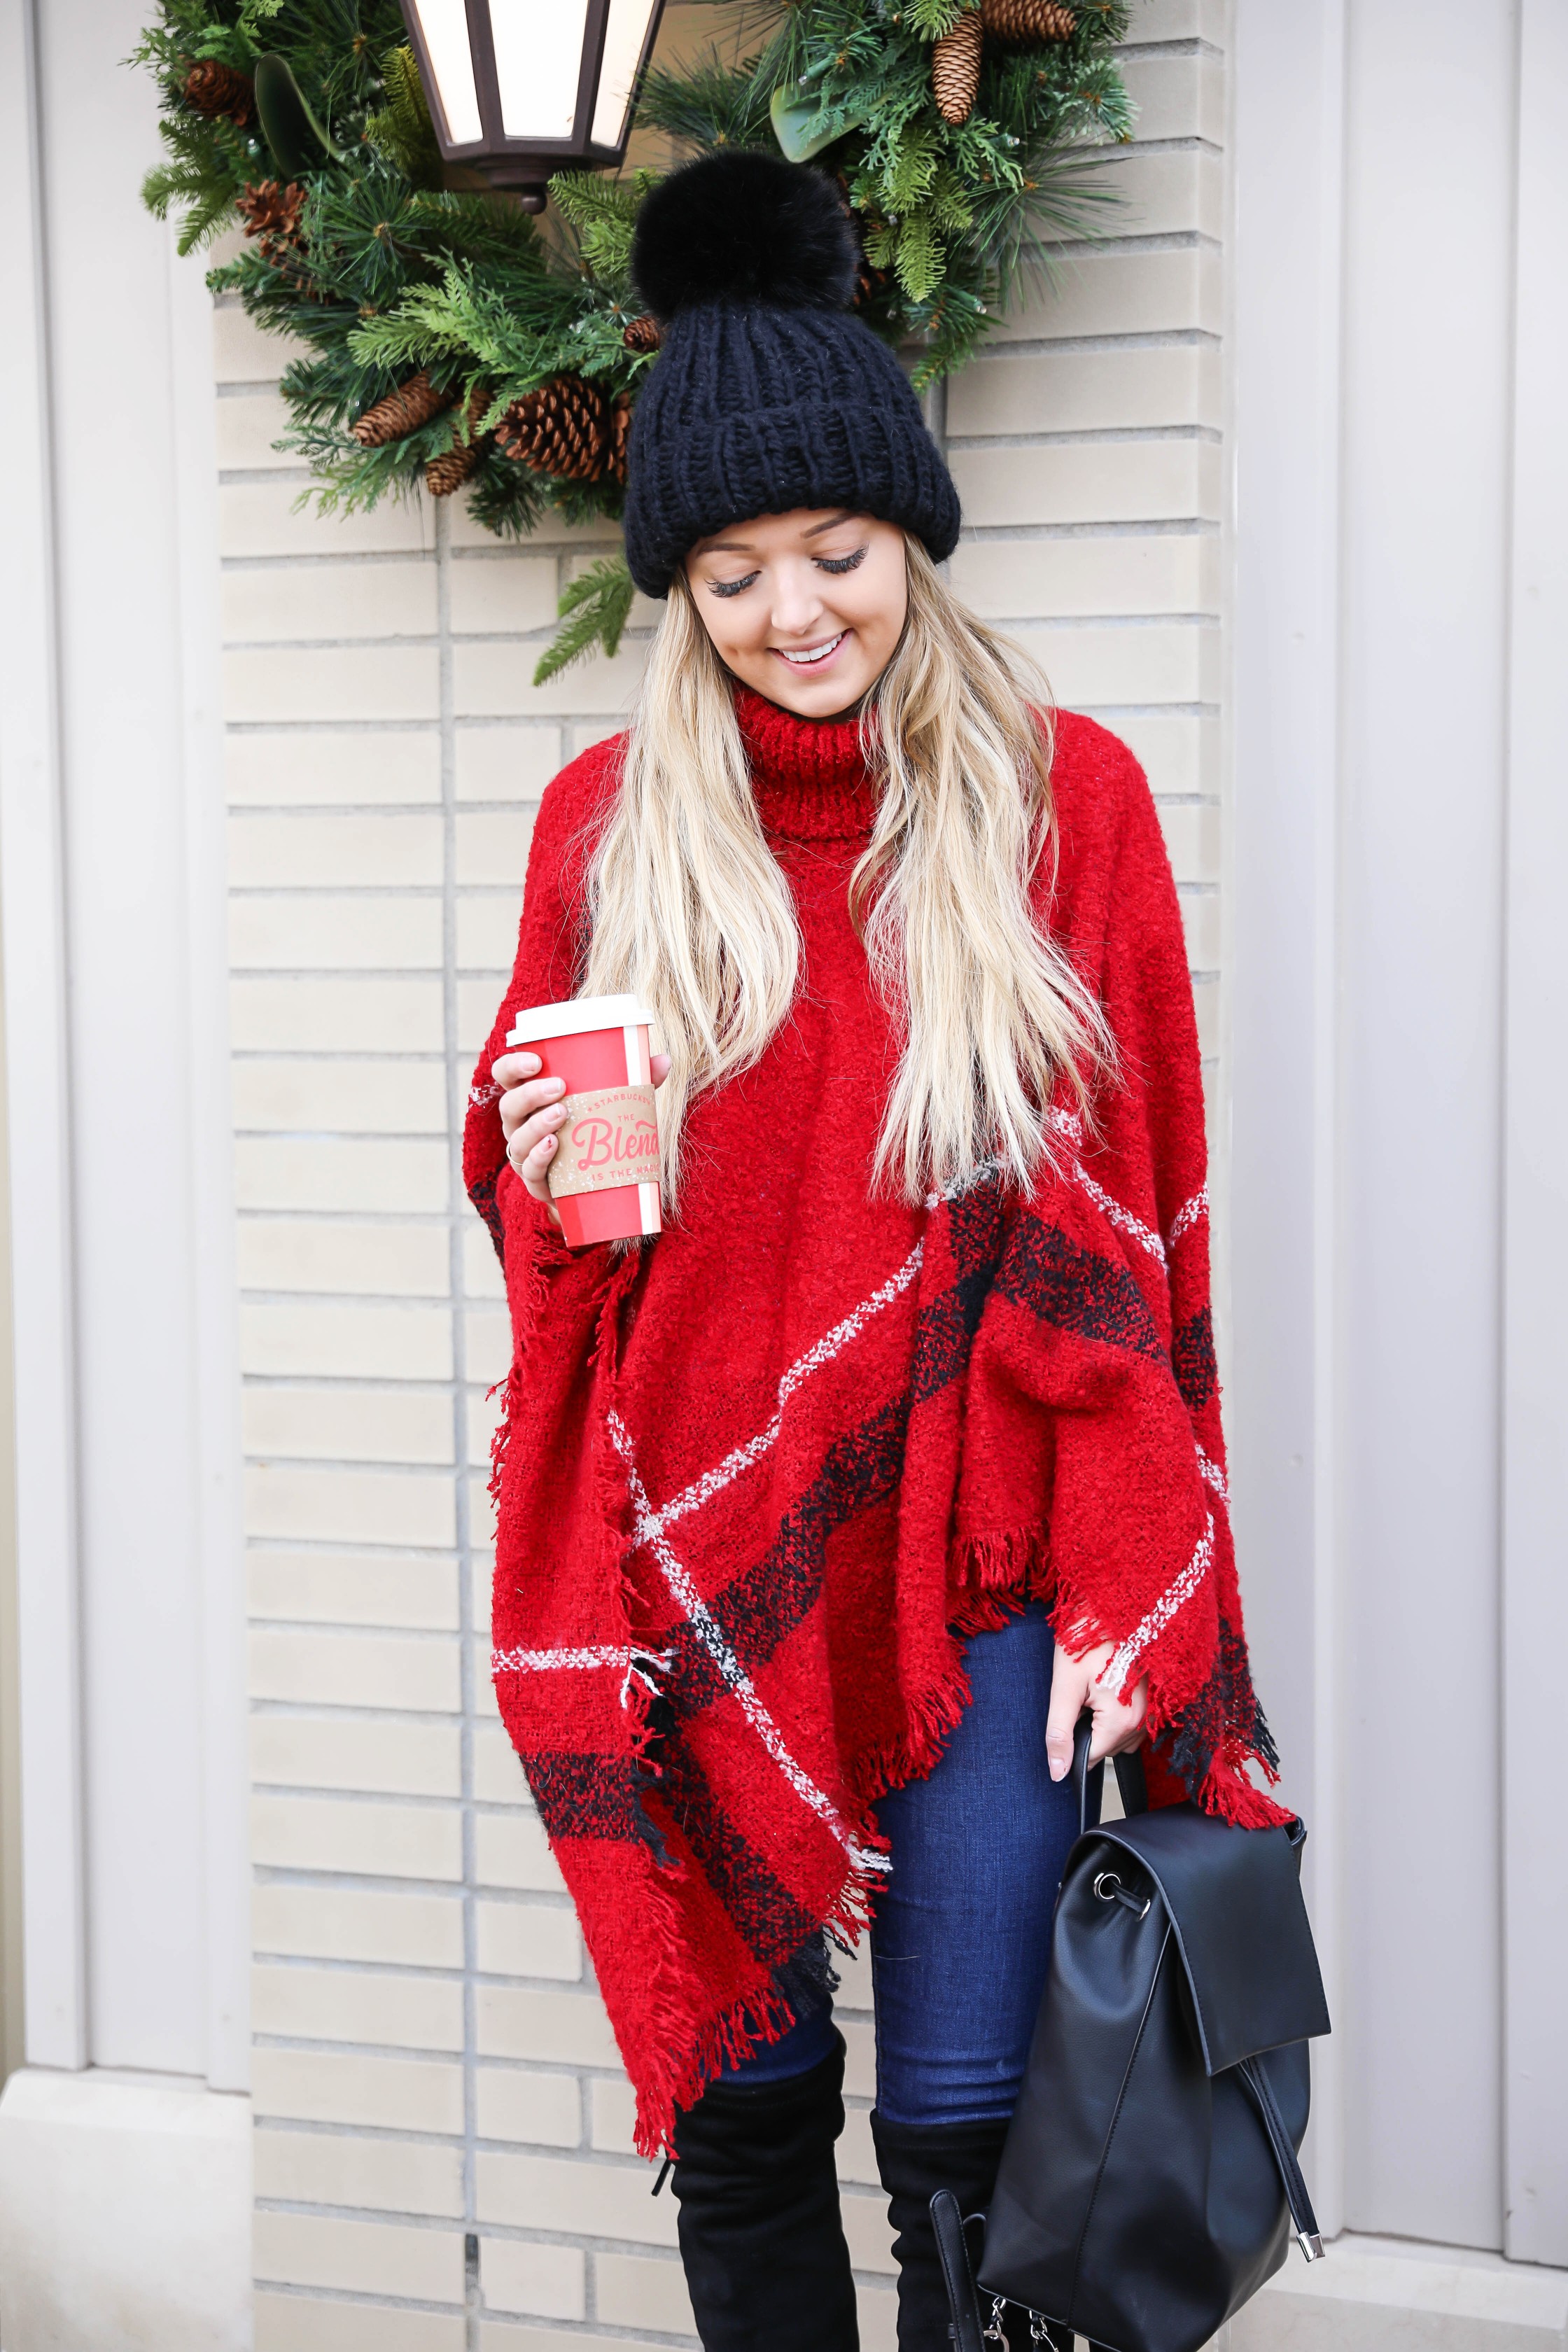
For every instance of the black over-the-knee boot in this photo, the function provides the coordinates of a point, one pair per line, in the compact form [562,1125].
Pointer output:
[915,2161]
[760,2234]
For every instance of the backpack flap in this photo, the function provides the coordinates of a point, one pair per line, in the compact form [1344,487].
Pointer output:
[1233,1898]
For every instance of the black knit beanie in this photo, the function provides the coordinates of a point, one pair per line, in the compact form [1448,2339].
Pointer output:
[767,393]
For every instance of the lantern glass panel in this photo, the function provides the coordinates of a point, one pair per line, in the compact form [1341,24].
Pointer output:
[445,25]
[624,38]
[539,59]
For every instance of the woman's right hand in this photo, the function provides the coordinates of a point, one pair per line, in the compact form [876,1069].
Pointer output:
[531,1116]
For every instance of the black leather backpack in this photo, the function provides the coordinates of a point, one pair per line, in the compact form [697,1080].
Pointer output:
[1148,2182]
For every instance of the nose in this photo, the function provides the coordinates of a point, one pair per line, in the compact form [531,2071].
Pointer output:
[797,600]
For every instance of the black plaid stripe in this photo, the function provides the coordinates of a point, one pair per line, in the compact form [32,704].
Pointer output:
[482,1193]
[763,1606]
[608,1798]
[945,1330]
[976,1227]
[762,1911]
[1225,1710]
[1192,1361]
[618,1801]
[587,1796]
[1076,1289]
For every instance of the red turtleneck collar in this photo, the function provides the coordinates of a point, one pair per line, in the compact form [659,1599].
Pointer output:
[809,775]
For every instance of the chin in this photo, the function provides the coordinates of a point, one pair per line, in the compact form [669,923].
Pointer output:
[820,705]
[819,697]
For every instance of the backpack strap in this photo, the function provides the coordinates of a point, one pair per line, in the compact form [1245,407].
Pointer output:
[1296,2196]
[1089,1780]
[952,2253]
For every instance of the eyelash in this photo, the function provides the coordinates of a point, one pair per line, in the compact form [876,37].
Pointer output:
[835,564]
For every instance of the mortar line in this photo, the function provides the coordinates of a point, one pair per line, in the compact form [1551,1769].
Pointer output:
[456,1095]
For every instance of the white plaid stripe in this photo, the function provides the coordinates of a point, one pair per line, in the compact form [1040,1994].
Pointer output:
[1069,1127]
[823,1351]
[1188,1214]
[1213,1475]
[1123,1218]
[545,1662]
[736,1678]
[1174,1597]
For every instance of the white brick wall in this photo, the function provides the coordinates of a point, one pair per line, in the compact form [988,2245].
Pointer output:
[443,2143]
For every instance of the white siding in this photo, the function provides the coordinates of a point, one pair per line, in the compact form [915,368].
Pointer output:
[1397,1186]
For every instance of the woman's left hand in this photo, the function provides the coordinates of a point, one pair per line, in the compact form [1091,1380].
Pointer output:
[1075,1684]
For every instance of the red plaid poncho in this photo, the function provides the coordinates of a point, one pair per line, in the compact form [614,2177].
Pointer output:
[752,1478]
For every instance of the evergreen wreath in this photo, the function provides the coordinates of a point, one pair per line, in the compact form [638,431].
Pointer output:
[455,341]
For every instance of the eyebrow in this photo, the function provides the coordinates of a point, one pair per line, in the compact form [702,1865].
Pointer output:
[747,547]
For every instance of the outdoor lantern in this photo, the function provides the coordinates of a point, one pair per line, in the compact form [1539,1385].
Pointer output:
[520,89]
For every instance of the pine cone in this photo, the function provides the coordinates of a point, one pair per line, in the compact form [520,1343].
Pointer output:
[402,412]
[561,428]
[955,68]
[272,213]
[1024,22]
[448,472]
[644,334]
[620,437]
[216,89]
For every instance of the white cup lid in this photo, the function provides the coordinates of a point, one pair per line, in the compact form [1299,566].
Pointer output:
[571,1019]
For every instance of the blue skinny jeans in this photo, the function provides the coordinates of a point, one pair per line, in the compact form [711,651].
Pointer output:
[961,1935]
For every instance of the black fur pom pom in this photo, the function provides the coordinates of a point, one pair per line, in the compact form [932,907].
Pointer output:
[743,228]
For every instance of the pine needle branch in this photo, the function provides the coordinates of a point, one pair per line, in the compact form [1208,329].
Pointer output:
[384,272]
[713,103]
[594,609]
[403,129]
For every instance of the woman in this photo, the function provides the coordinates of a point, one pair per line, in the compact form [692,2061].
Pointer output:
[823,1517]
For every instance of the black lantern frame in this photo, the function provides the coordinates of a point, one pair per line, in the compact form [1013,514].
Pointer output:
[523,166]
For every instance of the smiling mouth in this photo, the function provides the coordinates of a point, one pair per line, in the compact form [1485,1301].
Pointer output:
[812,655]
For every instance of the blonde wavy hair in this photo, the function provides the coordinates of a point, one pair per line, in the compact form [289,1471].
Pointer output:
[689,910]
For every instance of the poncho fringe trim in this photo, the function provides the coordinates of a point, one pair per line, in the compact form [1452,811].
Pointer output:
[766,2015]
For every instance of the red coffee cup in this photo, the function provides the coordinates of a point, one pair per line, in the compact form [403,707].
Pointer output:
[603,1179]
